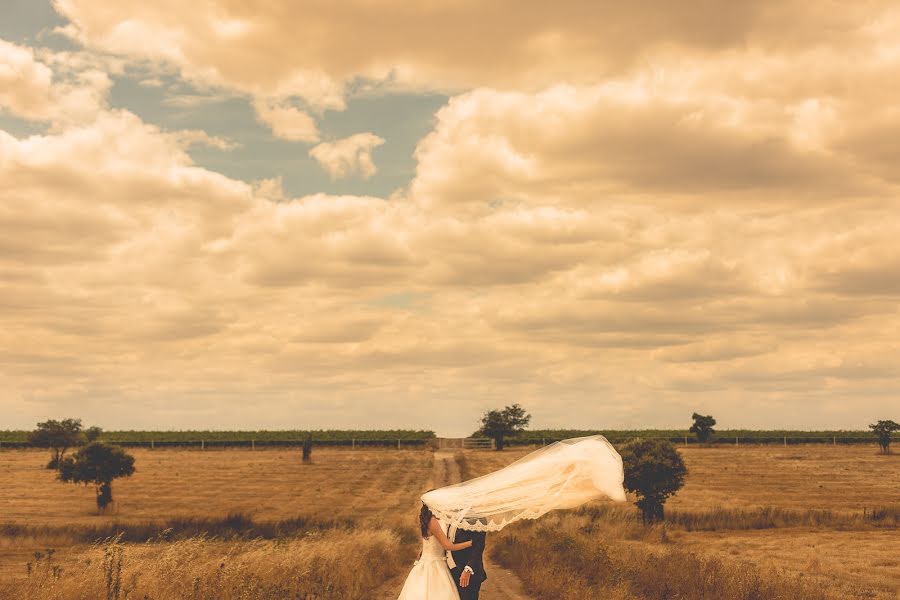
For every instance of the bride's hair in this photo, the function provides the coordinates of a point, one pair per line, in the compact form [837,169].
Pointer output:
[425,520]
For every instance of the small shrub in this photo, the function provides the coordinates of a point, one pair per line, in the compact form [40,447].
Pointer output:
[653,471]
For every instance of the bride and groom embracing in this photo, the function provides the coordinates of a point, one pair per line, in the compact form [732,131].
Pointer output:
[454,520]
[446,569]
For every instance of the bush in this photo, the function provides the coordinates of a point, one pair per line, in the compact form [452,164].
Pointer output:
[653,471]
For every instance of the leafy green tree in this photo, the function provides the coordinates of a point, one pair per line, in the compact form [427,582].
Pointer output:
[497,424]
[59,436]
[884,430]
[93,433]
[653,471]
[703,427]
[98,464]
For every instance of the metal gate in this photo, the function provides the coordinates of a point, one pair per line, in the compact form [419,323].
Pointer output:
[465,443]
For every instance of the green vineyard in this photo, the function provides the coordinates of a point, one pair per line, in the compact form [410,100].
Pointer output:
[410,438]
[388,437]
[683,436]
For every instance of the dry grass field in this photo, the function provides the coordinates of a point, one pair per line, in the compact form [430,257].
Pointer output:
[374,493]
[364,485]
[757,523]
[748,500]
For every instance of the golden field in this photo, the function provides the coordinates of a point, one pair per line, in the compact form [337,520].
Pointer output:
[740,505]
[763,522]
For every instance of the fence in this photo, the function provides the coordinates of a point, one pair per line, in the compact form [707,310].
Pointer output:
[479,443]
[717,441]
[251,444]
[467,443]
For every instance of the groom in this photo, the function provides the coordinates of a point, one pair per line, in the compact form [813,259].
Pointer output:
[467,566]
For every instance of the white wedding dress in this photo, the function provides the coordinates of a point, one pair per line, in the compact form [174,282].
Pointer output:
[430,578]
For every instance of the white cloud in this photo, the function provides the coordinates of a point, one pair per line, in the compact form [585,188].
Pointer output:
[188,137]
[30,89]
[287,122]
[348,156]
[637,137]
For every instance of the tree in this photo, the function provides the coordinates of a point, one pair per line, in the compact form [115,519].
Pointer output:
[653,471]
[59,436]
[884,430]
[703,427]
[93,433]
[98,464]
[497,424]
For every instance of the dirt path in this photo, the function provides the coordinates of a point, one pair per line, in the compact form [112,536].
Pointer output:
[501,584]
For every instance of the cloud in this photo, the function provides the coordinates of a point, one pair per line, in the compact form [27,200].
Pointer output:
[634,138]
[189,137]
[625,212]
[348,156]
[718,349]
[274,49]
[152,82]
[287,122]
[30,89]
[137,277]
[192,100]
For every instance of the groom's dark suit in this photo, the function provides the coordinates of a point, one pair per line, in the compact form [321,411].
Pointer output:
[472,557]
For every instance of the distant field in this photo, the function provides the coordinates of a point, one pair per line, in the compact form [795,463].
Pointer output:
[764,514]
[362,485]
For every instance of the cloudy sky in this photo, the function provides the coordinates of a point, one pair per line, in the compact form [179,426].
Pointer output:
[382,213]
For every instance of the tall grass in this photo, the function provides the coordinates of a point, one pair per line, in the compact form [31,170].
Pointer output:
[336,565]
[233,526]
[566,558]
[771,518]
[736,519]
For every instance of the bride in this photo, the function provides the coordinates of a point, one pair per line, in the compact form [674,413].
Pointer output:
[430,578]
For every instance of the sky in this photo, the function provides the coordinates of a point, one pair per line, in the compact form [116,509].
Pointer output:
[273,214]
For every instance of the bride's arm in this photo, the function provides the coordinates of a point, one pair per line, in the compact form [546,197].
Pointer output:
[435,529]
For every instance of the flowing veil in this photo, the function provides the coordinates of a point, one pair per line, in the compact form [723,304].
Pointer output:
[564,474]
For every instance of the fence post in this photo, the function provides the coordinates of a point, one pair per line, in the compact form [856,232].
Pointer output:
[398,444]
[834,439]
[543,441]
[353,444]
[685,441]
[735,441]
[253,444]
[152,445]
[785,440]
[202,445]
